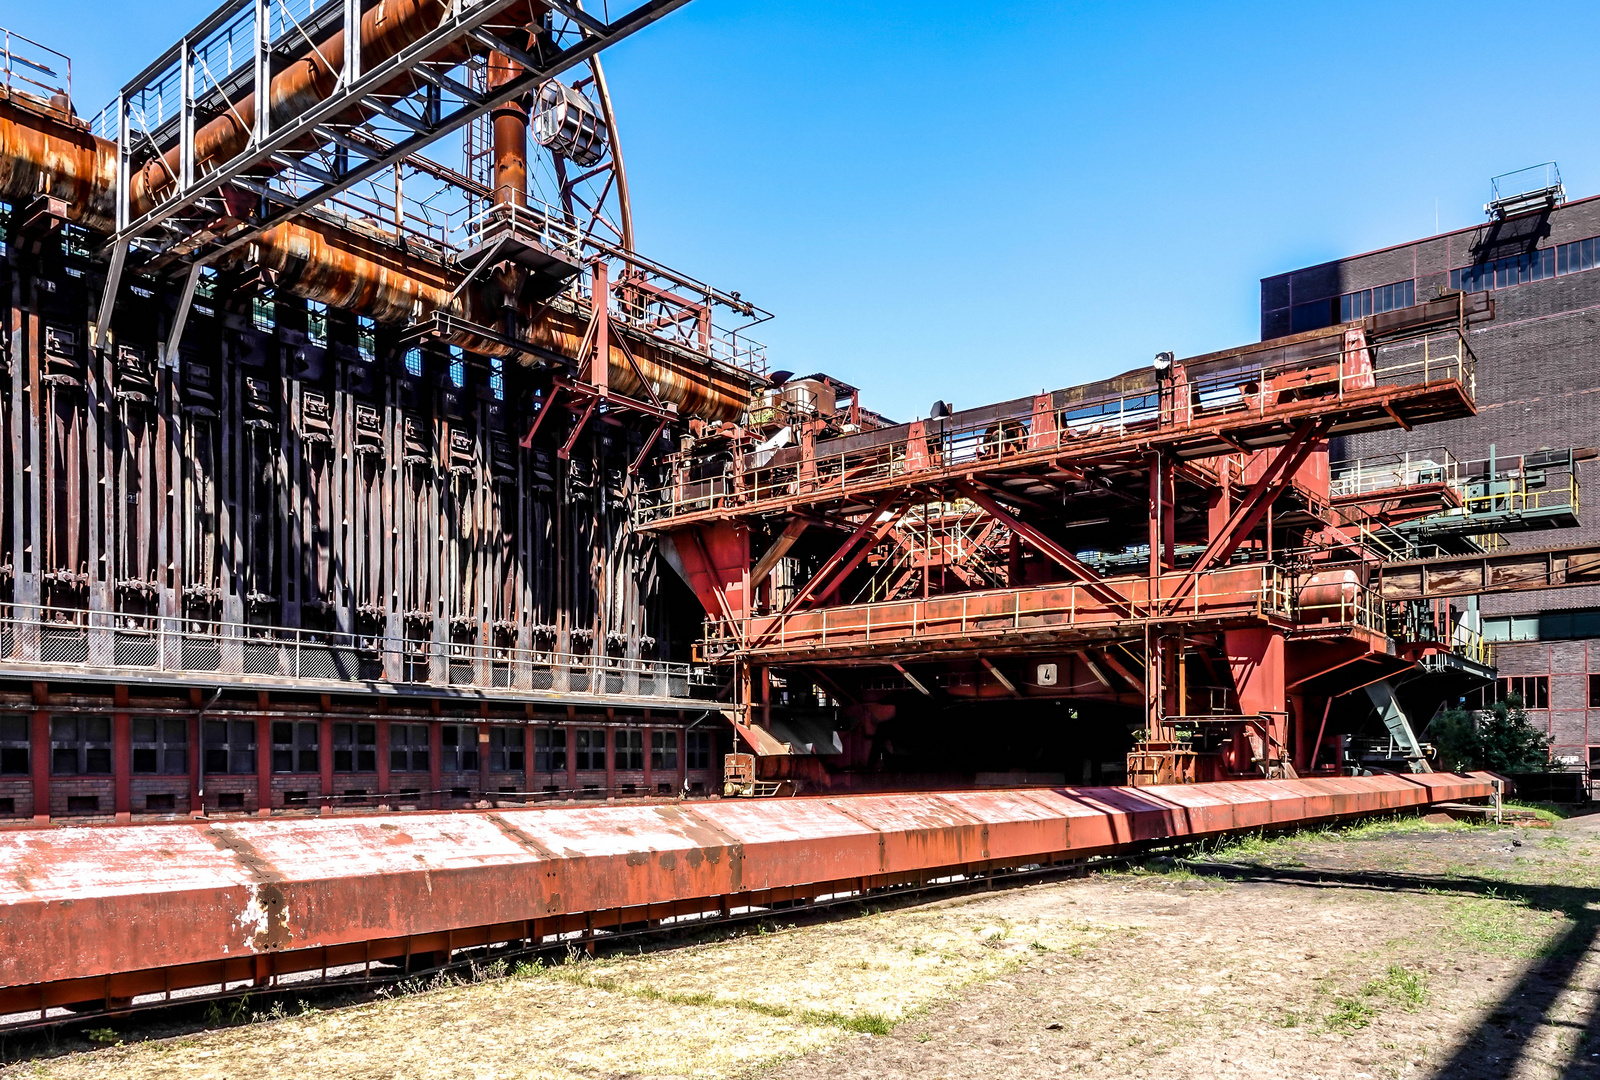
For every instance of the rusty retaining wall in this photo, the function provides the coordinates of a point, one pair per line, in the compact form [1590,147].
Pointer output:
[81,903]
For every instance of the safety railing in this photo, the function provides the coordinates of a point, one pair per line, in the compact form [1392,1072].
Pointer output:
[1080,418]
[31,68]
[1339,605]
[1242,592]
[153,644]
[1514,496]
[1385,472]
[545,224]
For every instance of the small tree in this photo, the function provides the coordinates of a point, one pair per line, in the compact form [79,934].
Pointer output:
[1454,734]
[1498,738]
[1508,742]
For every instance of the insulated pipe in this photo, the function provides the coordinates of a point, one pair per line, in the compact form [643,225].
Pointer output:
[349,271]
[510,136]
[45,151]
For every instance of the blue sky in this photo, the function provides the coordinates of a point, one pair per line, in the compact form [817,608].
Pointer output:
[974,203]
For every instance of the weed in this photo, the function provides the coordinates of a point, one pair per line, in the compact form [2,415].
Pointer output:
[103,1037]
[1406,988]
[1349,1014]
[925,1037]
[1038,946]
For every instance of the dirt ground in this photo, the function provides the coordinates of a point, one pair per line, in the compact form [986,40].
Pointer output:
[1414,949]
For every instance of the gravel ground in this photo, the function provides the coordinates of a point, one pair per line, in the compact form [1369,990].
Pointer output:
[1399,949]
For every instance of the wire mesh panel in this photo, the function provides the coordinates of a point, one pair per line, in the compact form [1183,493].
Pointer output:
[64,646]
[135,650]
[262,658]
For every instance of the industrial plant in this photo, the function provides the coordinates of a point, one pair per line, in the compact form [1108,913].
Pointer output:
[398,565]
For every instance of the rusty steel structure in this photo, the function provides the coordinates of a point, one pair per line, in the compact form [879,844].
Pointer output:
[322,448]
[97,923]
[346,480]
[1170,551]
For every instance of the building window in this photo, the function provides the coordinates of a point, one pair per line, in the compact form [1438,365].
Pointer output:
[591,750]
[1594,691]
[460,749]
[316,322]
[367,342]
[263,311]
[161,745]
[506,752]
[230,746]
[80,745]
[1535,265]
[1543,626]
[550,750]
[458,367]
[630,748]
[497,377]
[1534,690]
[414,362]
[294,746]
[408,747]
[14,745]
[663,749]
[355,748]
[1315,314]
[697,749]
[1364,302]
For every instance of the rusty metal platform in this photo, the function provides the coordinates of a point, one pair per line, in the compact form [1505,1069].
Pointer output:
[108,914]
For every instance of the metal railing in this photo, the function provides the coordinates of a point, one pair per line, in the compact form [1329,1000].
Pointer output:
[153,644]
[1384,472]
[1256,590]
[28,67]
[1225,388]
[1350,604]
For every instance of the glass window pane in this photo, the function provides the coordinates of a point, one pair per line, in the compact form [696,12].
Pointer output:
[174,730]
[144,729]
[175,762]
[97,760]
[64,729]
[97,728]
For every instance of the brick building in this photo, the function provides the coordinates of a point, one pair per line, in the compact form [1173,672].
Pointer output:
[1538,391]
[75,752]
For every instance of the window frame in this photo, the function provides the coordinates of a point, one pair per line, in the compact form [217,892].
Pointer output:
[507,748]
[589,757]
[355,747]
[663,750]
[301,751]
[627,749]
[236,753]
[407,755]
[464,754]
[549,743]
[86,749]
[161,744]
[11,746]
[698,749]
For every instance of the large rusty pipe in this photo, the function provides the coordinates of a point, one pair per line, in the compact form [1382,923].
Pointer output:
[386,28]
[349,271]
[45,151]
[81,168]
[510,136]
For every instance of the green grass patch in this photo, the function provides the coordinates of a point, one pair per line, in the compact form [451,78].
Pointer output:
[1349,1014]
[1506,925]
[1544,811]
[1404,987]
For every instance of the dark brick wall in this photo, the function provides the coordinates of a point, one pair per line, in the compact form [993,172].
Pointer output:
[1538,385]
[1569,721]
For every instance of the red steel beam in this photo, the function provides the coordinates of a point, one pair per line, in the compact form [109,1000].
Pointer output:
[105,912]
[1048,547]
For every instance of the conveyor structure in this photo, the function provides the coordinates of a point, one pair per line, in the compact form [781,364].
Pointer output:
[111,918]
